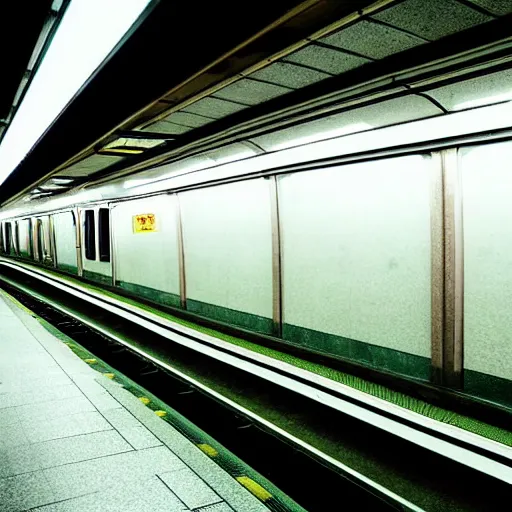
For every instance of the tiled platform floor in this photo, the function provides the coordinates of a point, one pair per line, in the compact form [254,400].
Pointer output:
[72,440]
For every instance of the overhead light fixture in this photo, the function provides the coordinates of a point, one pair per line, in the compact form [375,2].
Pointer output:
[323,135]
[61,181]
[133,143]
[486,100]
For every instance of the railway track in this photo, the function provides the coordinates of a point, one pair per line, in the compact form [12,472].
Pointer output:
[317,441]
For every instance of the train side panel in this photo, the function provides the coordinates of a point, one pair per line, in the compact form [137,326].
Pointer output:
[487,217]
[228,253]
[356,262]
[146,248]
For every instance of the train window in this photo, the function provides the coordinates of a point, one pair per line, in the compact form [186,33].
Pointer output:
[90,235]
[8,237]
[2,244]
[39,236]
[104,233]
[30,239]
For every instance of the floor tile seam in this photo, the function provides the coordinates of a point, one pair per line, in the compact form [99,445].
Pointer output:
[113,426]
[61,501]
[183,459]
[86,460]
[200,478]
[32,443]
[171,491]
[60,416]
[140,423]
[43,402]
[202,507]
[121,406]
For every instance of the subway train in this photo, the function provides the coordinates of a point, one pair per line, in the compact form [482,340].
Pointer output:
[379,235]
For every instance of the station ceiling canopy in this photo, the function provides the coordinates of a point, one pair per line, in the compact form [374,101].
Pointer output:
[27,29]
[190,72]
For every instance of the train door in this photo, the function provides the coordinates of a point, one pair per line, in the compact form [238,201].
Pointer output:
[64,236]
[43,245]
[24,238]
[8,245]
[96,243]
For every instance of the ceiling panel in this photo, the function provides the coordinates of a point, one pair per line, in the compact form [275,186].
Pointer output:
[187,119]
[90,165]
[380,114]
[372,39]
[484,90]
[214,107]
[326,59]
[498,7]
[432,19]
[251,92]
[165,127]
[289,75]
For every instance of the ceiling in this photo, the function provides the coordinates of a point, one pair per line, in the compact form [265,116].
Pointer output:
[176,83]
[23,48]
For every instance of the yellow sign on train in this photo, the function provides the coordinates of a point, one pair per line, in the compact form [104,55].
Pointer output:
[144,223]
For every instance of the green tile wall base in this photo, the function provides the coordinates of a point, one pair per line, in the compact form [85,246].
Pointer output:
[96,276]
[247,320]
[372,355]
[70,269]
[158,296]
[489,387]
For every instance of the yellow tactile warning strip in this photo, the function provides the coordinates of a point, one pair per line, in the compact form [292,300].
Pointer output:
[209,450]
[254,487]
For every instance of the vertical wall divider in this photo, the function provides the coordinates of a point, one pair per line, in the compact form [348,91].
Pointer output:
[113,266]
[53,241]
[78,242]
[453,346]
[437,268]
[181,254]
[277,270]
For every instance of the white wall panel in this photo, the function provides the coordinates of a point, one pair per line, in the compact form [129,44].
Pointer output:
[24,233]
[487,212]
[148,259]
[65,239]
[356,252]
[228,249]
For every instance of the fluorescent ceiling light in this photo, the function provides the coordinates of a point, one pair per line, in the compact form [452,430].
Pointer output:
[323,135]
[488,100]
[87,33]
[62,181]
[128,143]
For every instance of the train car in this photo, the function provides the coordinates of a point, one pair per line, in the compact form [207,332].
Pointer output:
[378,235]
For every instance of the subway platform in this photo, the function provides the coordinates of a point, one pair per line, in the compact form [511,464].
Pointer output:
[73,440]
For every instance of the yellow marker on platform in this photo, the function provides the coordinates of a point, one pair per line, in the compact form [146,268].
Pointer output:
[254,487]
[109,375]
[209,450]
[160,413]
[144,399]
[91,361]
